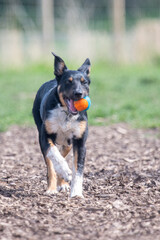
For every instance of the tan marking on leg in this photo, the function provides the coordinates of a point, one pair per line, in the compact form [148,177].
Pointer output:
[82,125]
[75,160]
[62,185]
[60,181]
[65,150]
[51,174]
[51,143]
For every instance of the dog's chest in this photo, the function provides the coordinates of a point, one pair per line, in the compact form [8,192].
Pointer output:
[65,126]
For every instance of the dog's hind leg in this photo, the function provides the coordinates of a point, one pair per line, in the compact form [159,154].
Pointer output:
[62,185]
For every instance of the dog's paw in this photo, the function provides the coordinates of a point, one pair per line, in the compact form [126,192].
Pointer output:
[63,188]
[76,195]
[51,192]
[76,192]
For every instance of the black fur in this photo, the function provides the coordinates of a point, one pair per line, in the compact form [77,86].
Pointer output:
[68,86]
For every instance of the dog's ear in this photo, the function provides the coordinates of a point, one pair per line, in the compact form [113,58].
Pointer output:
[86,67]
[59,66]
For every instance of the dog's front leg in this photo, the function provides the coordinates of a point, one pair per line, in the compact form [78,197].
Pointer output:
[59,162]
[79,151]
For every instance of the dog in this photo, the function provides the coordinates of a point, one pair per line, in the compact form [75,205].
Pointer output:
[61,127]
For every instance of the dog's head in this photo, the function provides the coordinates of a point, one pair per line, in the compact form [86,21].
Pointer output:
[72,85]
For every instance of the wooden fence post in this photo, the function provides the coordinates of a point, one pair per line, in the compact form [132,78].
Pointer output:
[118,19]
[47,7]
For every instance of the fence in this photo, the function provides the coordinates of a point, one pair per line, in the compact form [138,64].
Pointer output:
[117,30]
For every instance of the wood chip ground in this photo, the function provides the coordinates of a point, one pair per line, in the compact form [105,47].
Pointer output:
[121,188]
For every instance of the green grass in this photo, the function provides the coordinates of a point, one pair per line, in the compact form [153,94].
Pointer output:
[126,94]
[118,93]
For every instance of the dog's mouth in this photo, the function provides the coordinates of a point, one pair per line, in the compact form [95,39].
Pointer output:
[70,106]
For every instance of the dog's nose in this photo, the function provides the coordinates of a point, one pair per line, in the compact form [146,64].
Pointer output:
[78,93]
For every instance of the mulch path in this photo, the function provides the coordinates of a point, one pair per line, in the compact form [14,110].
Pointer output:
[121,188]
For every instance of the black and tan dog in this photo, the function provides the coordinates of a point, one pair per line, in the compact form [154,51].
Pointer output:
[59,123]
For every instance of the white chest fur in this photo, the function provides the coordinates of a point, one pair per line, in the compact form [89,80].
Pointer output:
[64,125]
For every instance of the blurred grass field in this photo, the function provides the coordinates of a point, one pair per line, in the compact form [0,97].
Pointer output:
[128,94]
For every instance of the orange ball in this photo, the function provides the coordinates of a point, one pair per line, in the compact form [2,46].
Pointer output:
[81,104]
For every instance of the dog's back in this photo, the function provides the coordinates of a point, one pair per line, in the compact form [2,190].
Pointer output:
[39,102]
